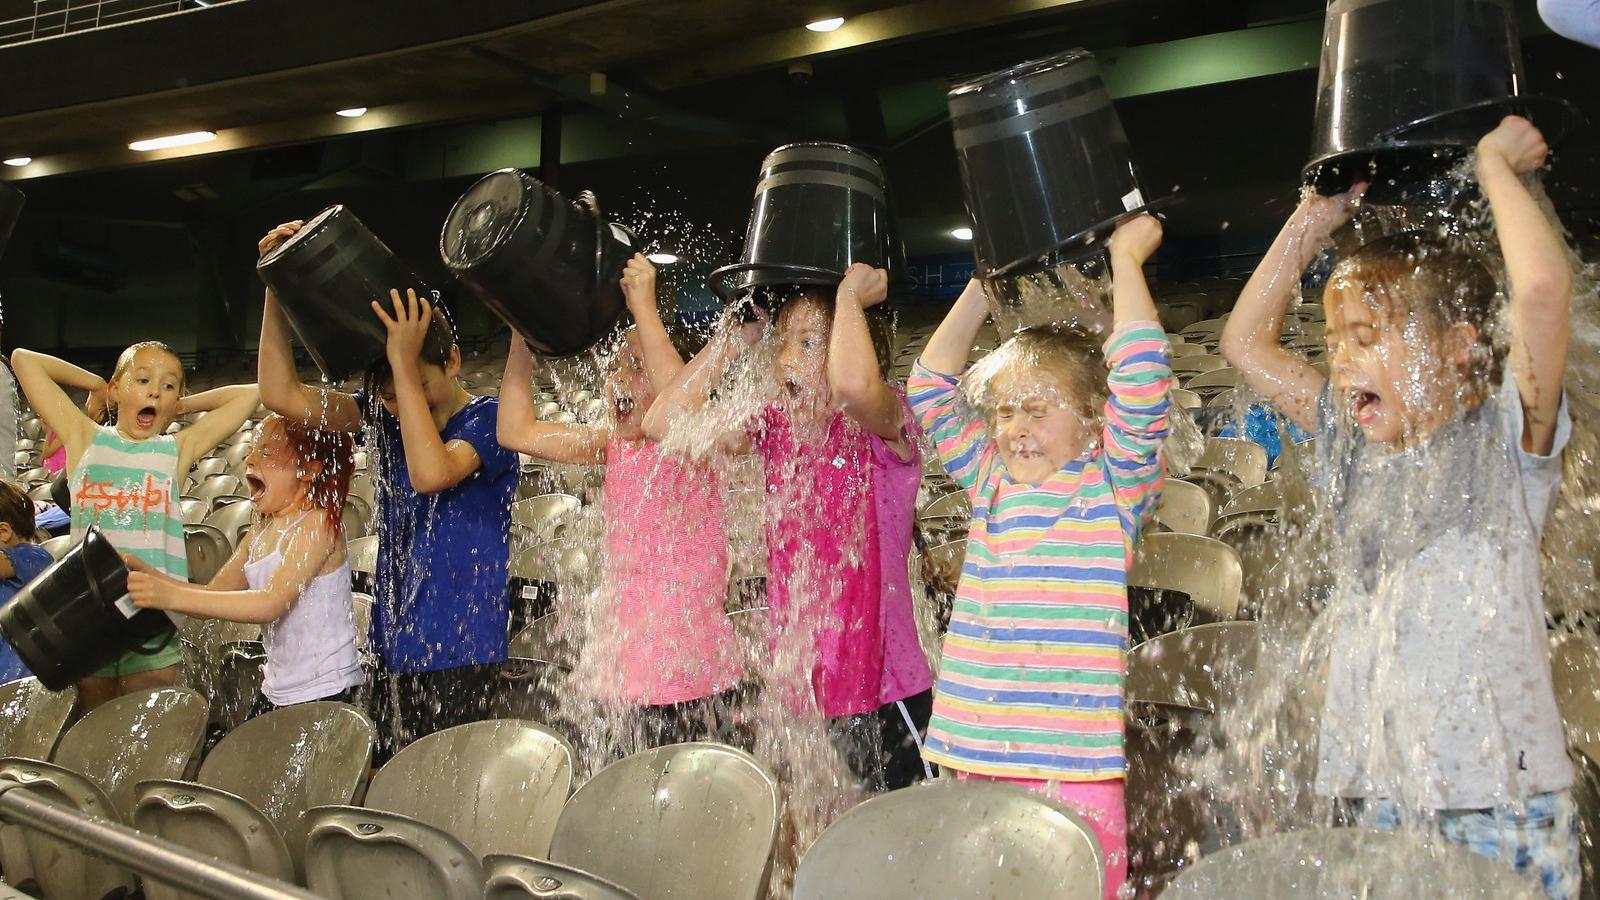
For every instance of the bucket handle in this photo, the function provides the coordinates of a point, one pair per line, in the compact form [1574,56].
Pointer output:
[718,280]
[94,589]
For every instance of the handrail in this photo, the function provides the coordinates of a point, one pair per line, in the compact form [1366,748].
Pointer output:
[55,18]
[150,856]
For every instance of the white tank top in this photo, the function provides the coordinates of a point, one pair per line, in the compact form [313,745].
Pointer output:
[311,649]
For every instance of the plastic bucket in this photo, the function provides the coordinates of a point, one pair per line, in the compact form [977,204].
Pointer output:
[547,265]
[819,207]
[76,617]
[1406,89]
[1046,166]
[11,201]
[326,276]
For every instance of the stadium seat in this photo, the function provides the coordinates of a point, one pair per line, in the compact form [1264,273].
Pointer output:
[207,548]
[544,517]
[955,503]
[354,853]
[529,689]
[1197,363]
[1186,399]
[508,877]
[216,486]
[57,547]
[1575,672]
[1205,569]
[1243,459]
[211,465]
[1264,497]
[364,554]
[234,520]
[1184,507]
[33,718]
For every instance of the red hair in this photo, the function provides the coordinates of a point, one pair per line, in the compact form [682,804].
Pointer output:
[333,451]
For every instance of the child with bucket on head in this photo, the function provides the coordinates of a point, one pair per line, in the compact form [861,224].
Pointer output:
[672,653]
[292,574]
[21,561]
[444,497]
[842,464]
[126,478]
[1061,462]
[1440,437]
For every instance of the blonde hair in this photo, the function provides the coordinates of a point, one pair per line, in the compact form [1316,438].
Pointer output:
[127,357]
[1068,354]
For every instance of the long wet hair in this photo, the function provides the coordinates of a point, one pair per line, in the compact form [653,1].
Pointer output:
[879,327]
[334,451]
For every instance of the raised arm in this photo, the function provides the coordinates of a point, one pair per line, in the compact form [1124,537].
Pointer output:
[224,409]
[1540,275]
[433,464]
[226,597]
[43,379]
[692,388]
[517,428]
[281,389]
[951,344]
[1134,242]
[854,376]
[1250,339]
[661,359]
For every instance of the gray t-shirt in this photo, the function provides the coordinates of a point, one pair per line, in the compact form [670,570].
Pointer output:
[1439,689]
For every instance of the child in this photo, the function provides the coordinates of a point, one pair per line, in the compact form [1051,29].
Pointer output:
[126,478]
[444,500]
[292,576]
[839,450]
[21,561]
[53,456]
[666,566]
[1060,470]
[1439,464]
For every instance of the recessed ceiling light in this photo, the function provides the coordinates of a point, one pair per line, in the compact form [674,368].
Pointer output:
[662,259]
[823,26]
[19,160]
[354,112]
[173,140]
[961,234]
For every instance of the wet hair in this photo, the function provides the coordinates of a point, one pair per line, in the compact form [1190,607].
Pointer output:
[335,450]
[1068,353]
[435,348]
[1443,280]
[16,510]
[879,327]
[125,360]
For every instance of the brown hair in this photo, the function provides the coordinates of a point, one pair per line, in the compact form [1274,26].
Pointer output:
[435,347]
[16,510]
[1068,353]
[334,450]
[879,328]
[1443,281]
[126,359]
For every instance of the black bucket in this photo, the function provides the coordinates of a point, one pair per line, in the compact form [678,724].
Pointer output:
[819,207]
[547,265]
[1407,87]
[76,617]
[1046,166]
[11,201]
[326,276]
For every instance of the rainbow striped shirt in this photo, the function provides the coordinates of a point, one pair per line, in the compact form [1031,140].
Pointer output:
[1031,679]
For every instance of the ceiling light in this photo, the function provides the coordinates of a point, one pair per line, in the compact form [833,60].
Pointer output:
[354,112]
[662,259]
[961,234]
[173,140]
[823,26]
[19,160]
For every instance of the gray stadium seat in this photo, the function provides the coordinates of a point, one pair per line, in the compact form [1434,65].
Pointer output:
[508,877]
[32,718]
[1205,569]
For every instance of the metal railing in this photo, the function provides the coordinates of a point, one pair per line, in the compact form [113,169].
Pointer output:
[150,856]
[54,18]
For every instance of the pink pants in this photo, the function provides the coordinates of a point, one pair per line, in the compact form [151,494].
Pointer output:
[1100,803]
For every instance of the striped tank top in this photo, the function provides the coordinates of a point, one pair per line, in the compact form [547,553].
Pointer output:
[1031,678]
[130,489]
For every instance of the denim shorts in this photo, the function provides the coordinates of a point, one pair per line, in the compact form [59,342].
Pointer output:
[1539,839]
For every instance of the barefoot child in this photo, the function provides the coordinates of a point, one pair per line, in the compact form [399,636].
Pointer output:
[1440,442]
[126,478]
[292,576]
[1060,467]
[666,571]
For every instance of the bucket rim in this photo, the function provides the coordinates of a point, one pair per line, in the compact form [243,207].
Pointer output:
[717,281]
[283,247]
[1560,117]
[1089,238]
[1012,73]
[522,210]
[830,145]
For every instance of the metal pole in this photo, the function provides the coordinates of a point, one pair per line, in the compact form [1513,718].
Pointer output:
[150,856]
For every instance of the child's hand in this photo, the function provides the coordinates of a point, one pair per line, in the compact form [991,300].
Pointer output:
[867,285]
[1515,142]
[1136,239]
[408,328]
[639,286]
[281,233]
[1321,216]
[149,591]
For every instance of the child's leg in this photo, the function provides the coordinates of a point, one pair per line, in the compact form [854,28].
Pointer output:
[94,691]
[166,676]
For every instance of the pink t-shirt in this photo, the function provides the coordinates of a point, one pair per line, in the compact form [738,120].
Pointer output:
[838,525]
[56,461]
[667,568]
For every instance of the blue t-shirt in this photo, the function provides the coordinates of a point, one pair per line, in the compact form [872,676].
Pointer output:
[28,560]
[442,590]
[1261,424]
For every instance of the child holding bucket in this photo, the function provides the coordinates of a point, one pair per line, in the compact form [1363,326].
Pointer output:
[1440,438]
[444,499]
[1061,463]
[666,570]
[841,460]
[292,575]
[127,477]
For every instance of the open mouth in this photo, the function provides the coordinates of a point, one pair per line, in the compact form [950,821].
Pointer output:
[624,405]
[1365,406]
[792,386]
[146,417]
[255,484]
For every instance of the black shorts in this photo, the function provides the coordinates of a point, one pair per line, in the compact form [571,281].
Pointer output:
[411,705]
[882,750]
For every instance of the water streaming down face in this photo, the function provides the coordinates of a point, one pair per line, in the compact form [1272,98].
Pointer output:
[1401,649]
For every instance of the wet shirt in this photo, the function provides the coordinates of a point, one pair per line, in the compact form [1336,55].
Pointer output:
[27,561]
[667,575]
[129,489]
[1031,678]
[838,528]
[1438,687]
[311,648]
[443,600]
